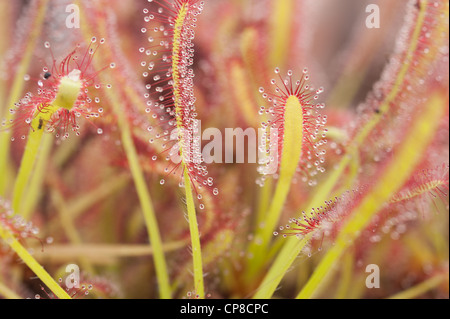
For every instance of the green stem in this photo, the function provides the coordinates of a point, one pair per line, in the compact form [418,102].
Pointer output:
[282,264]
[324,269]
[265,193]
[33,192]
[195,238]
[276,208]
[70,228]
[33,264]
[26,167]
[421,288]
[323,192]
[147,207]
[98,252]
[346,275]
[281,22]
[82,203]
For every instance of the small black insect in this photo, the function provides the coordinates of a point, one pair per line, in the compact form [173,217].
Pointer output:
[417,5]
[377,111]
[41,124]
[47,75]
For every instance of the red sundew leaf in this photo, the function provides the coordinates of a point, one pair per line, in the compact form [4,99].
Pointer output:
[20,228]
[418,67]
[324,221]
[429,182]
[73,67]
[410,205]
[419,51]
[313,132]
[171,97]
[126,81]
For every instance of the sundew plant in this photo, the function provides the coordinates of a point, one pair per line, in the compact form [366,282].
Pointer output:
[224,149]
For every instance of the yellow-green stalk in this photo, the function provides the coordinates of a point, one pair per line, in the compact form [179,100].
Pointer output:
[192,215]
[68,91]
[29,260]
